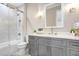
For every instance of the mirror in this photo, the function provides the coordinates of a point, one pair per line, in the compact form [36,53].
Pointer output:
[54,16]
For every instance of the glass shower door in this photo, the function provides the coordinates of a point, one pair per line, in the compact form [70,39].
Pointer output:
[4,50]
[3,23]
[8,30]
[13,30]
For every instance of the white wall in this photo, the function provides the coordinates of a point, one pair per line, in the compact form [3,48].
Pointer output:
[69,18]
[34,22]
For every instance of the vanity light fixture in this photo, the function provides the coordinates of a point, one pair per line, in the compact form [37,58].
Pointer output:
[40,12]
[72,8]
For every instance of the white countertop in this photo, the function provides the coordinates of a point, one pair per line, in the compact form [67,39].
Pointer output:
[56,36]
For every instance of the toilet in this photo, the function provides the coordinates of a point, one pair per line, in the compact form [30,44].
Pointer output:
[21,45]
[21,48]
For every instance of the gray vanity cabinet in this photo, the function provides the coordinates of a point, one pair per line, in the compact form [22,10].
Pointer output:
[58,47]
[58,51]
[52,47]
[73,47]
[38,46]
[57,42]
[46,46]
[33,45]
[44,49]
[73,53]
[43,40]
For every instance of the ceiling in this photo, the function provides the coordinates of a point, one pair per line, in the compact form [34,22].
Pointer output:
[17,4]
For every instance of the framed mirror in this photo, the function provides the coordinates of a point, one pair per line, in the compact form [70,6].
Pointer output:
[54,16]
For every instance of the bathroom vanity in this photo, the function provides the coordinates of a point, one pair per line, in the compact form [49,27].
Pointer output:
[53,45]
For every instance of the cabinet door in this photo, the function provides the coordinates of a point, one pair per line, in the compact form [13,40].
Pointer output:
[73,48]
[33,46]
[43,41]
[44,50]
[73,53]
[58,51]
[33,50]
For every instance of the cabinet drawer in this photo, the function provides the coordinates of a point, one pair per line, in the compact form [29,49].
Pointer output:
[33,40]
[57,42]
[74,44]
[74,47]
[31,37]
[74,53]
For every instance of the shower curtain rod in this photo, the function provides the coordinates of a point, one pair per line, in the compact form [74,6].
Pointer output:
[12,7]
